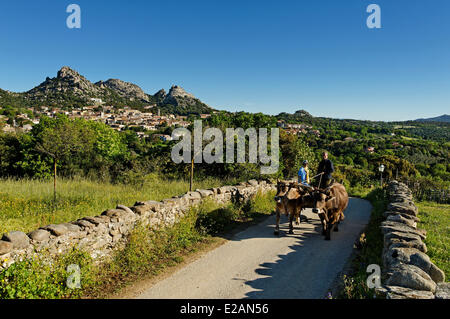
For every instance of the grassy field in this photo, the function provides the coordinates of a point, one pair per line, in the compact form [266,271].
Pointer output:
[28,204]
[435,219]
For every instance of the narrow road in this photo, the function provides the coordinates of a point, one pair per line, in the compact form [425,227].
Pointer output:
[256,264]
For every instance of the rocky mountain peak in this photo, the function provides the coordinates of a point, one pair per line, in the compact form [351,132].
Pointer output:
[184,101]
[67,72]
[124,89]
[178,91]
[161,92]
[67,82]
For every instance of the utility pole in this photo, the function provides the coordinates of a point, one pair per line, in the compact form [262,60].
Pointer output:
[54,181]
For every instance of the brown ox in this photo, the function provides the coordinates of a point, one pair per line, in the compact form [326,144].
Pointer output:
[290,199]
[330,203]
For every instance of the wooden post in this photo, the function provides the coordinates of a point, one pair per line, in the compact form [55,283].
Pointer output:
[54,183]
[191,179]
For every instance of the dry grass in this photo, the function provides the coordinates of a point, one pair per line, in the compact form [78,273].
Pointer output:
[28,204]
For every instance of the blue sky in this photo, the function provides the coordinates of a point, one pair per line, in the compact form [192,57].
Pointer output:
[257,56]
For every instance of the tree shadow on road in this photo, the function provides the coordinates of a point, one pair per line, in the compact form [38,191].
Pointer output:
[265,227]
[308,270]
[279,281]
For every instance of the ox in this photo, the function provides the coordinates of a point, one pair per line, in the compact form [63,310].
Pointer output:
[330,204]
[290,199]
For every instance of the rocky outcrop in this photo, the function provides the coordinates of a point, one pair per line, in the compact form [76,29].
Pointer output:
[124,89]
[70,88]
[160,96]
[177,91]
[178,97]
[101,235]
[408,271]
[68,82]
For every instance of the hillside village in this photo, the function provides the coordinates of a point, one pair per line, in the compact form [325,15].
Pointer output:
[297,129]
[142,122]
[118,119]
[125,118]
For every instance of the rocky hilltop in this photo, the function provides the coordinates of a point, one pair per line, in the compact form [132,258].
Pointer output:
[67,84]
[160,95]
[177,91]
[179,97]
[124,89]
[70,89]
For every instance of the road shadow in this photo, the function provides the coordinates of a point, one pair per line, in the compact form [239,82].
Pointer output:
[308,270]
[265,227]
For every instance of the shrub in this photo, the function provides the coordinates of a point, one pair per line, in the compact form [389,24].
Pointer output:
[215,221]
[37,279]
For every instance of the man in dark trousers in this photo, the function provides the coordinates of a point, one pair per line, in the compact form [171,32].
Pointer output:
[326,167]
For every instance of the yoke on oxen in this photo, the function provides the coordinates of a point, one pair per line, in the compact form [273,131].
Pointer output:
[290,201]
[328,203]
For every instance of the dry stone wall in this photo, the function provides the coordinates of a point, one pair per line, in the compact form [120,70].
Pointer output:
[100,235]
[409,273]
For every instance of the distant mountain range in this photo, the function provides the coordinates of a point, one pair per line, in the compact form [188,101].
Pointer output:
[70,89]
[443,118]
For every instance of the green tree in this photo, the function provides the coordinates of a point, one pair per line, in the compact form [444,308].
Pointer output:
[109,143]
[59,139]
[293,152]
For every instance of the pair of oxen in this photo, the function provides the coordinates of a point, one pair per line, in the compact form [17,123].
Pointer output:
[328,203]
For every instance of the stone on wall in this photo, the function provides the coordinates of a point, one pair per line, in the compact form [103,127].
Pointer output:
[5,247]
[401,219]
[18,239]
[56,230]
[389,226]
[410,276]
[395,292]
[39,235]
[443,291]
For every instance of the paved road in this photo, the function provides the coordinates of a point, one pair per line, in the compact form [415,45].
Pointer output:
[256,264]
